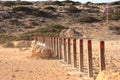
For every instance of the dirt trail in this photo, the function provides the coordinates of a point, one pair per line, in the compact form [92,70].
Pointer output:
[15,66]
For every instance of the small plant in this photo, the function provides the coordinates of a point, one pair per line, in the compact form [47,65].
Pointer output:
[88,19]
[42,14]
[50,8]
[51,30]
[24,3]
[9,45]
[115,16]
[6,38]
[57,3]
[24,9]
[72,9]
[115,3]
[116,29]
[9,3]
[32,11]
[112,16]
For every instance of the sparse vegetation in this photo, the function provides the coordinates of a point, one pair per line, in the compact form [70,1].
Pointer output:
[32,11]
[50,8]
[6,38]
[51,30]
[88,19]
[116,29]
[72,9]
[24,9]
[9,45]
[25,3]
[115,3]
[114,16]
[9,3]
[57,3]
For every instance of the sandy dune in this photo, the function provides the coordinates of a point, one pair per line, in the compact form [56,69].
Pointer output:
[15,66]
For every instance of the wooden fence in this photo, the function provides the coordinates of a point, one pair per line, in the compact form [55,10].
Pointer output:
[65,48]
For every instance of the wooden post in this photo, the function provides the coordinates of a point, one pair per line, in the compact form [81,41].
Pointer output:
[51,42]
[81,65]
[65,56]
[38,38]
[74,53]
[69,51]
[60,48]
[57,47]
[54,44]
[102,56]
[90,67]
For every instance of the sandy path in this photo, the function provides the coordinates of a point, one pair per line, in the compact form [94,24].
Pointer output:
[15,66]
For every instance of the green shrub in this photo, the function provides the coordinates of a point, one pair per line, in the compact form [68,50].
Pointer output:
[9,3]
[6,38]
[32,11]
[114,16]
[9,45]
[57,3]
[71,2]
[16,22]
[51,30]
[116,29]
[115,3]
[72,9]
[24,9]
[42,14]
[2,31]
[24,3]
[88,19]
[50,8]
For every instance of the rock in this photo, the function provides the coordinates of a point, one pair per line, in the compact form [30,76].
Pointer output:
[23,45]
[108,75]
[69,33]
[42,52]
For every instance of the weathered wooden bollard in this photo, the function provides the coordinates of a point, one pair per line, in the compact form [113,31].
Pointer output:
[60,48]
[81,64]
[65,55]
[69,51]
[102,56]
[54,46]
[74,53]
[57,46]
[90,67]
[51,42]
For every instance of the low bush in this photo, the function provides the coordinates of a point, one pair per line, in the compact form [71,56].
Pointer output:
[24,3]
[50,8]
[115,29]
[114,16]
[72,9]
[9,45]
[32,11]
[88,19]
[51,30]
[59,3]
[115,3]
[24,9]
[71,2]
[9,3]
[6,38]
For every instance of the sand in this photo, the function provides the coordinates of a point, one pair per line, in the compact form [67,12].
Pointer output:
[15,66]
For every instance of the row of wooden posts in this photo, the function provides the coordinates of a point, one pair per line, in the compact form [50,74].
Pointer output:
[56,42]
